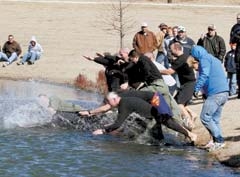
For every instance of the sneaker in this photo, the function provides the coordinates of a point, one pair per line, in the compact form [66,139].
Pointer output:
[30,62]
[20,63]
[5,64]
[208,145]
[216,146]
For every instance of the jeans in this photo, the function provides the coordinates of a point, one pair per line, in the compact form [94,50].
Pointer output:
[211,114]
[162,59]
[232,82]
[31,56]
[13,57]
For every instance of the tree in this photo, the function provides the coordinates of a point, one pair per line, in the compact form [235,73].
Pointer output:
[116,20]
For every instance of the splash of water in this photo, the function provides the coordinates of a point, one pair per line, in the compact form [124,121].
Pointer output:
[22,113]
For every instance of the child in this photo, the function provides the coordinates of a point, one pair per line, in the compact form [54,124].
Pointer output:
[230,67]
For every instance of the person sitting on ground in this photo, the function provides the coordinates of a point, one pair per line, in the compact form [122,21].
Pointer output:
[158,109]
[10,51]
[34,52]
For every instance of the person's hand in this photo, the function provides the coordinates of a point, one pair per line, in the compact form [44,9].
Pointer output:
[99,54]
[196,94]
[124,86]
[84,113]
[51,110]
[88,58]
[98,132]
[119,62]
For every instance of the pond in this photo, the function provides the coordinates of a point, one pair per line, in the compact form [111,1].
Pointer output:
[28,150]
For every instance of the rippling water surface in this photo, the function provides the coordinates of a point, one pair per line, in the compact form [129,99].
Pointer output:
[48,152]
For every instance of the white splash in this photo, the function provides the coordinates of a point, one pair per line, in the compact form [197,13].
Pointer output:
[25,114]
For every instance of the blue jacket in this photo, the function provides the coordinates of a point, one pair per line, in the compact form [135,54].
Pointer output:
[212,78]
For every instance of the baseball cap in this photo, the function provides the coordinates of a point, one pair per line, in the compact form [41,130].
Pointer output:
[163,26]
[181,29]
[144,24]
[212,27]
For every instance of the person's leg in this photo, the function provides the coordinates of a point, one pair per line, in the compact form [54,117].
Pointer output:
[3,57]
[115,83]
[13,57]
[33,57]
[172,124]
[233,86]
[160,58]
[26,56]
[211,114]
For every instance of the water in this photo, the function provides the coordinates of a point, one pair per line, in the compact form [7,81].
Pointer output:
[29,150]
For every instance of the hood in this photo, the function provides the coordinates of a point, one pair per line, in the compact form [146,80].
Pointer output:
[198,52]
[33,39]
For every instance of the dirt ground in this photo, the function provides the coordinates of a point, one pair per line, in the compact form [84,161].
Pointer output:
[67,31]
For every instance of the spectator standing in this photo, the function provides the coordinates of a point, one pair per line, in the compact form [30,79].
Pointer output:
[213,83]
[213,43]
[230,66]
[183,39]
[235,38]
[145,40]
[34,52]
[10,51]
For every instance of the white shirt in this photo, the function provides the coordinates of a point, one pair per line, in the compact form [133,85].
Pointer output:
[168,79]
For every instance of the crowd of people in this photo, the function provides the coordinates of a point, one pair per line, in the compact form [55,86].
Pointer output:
[12,50]
[162,87]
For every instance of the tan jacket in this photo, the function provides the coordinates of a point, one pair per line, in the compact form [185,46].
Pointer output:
[144,43]
[160,41]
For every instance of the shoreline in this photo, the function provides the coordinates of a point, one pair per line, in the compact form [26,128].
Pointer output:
[66,32]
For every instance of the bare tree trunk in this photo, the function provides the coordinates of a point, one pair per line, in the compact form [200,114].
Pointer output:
[121,24]
[169,1]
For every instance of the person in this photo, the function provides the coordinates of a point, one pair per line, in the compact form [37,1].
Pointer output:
[235,38]
[159,110]
[213,83]
[34,52]
[187,44]
[152,80]
[187,81]
[213,43]
[168,79]
[183,39]
[230,67]
[144,40]
[10,51]
[160,36]
[113,70]
[54,104]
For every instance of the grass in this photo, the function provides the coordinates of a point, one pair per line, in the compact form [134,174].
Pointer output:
[100,85]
